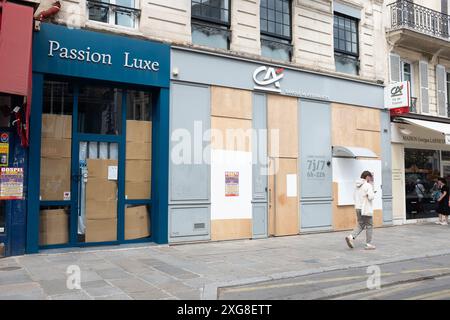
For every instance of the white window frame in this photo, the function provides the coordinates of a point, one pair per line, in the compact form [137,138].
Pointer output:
[402,75]
[112,18]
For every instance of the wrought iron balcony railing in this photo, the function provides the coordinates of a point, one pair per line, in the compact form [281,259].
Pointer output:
[406,14]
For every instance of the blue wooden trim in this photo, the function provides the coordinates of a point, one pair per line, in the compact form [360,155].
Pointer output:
[47,203]
[141,240]
[121,173]
[160,188]
[97,137]
[75,171]
[138,202]
[34,166]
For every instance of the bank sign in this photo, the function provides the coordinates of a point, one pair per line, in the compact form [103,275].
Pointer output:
[396,96]
[87,54]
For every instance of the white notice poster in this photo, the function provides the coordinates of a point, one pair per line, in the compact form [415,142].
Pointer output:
[291,185]
[112,172]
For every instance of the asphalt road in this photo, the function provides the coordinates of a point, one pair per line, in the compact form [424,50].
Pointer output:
[418,279]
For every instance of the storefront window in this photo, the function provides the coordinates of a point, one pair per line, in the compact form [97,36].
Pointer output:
[139,145]
[422,168]
[99,110]
[56,141]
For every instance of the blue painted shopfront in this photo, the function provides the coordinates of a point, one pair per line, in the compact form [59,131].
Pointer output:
[81,61]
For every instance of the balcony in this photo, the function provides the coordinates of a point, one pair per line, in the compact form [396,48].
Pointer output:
[419,28]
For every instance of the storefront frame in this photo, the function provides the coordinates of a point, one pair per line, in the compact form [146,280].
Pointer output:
[159,85]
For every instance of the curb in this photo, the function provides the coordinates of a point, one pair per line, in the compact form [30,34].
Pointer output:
[211,291]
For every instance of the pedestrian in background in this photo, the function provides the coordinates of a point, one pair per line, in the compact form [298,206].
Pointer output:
[443,208]
[364,195]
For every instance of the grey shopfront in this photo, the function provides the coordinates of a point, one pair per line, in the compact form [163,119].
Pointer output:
[213,92]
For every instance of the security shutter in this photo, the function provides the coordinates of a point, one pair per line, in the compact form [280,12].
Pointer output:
[424,98]
[441,90]
[395,67]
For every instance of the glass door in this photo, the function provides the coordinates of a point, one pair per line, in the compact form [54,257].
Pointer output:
[97,191]
[98,138]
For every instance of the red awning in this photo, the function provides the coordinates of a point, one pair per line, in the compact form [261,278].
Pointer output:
[16,32]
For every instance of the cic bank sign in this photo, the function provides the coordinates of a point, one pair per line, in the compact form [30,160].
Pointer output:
[88,54]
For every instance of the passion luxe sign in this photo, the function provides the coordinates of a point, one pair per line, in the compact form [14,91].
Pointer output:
[88,54]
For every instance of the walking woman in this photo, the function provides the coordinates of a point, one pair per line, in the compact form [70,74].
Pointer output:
[443,202]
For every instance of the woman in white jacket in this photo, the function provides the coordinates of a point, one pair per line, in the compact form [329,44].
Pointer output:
[364,195]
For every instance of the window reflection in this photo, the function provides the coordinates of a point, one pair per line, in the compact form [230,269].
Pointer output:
[99,110]
[422,168]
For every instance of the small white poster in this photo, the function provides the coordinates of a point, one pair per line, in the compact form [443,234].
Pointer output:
[112,172]
[291,185]
[66,195]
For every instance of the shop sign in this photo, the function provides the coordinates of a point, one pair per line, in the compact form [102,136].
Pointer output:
[11,184]
[88,54]
[316,167]
[268,78]
[231,183]
[396,96]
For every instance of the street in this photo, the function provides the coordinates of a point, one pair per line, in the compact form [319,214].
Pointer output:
[427,278]
[412,264]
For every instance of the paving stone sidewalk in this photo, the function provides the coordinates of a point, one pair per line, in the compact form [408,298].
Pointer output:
[195,271]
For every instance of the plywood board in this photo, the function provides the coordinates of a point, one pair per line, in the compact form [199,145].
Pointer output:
[231,134]
[233,103]
[348,129]
[368,119]
[271,195]
[343,125]
[282,119]
[286,208]
[231,229]
[370,140]
[344,217]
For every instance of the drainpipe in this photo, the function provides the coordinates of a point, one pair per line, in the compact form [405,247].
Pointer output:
[56,6]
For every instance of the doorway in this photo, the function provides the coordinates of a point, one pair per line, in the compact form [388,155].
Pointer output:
[96,151]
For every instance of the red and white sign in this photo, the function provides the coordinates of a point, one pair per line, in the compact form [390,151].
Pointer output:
[397,97]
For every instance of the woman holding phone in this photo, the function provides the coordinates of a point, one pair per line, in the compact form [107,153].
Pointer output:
[443,202]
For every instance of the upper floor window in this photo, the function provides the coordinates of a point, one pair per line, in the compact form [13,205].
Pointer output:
[115,12]
[211,23]
[346,44]
[276,30]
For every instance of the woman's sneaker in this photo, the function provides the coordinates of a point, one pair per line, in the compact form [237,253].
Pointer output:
[444,223]
[369,246]
[438,222]
[349,240]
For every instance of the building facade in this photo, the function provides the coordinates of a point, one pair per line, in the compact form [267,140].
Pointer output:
[418,44]
[191,120]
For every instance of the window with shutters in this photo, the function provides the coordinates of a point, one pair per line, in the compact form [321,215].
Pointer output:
[447,78]
[441,90]
[407,74]
[276,30]
[424,95]
[211,23]
[346,44]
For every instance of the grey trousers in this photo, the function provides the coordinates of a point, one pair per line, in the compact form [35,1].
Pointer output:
[363,222]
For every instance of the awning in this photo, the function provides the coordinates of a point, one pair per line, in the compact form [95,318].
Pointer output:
[353,152]
[440,127]
[16,30]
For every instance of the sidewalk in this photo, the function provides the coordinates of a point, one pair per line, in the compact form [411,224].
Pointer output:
[195,271]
